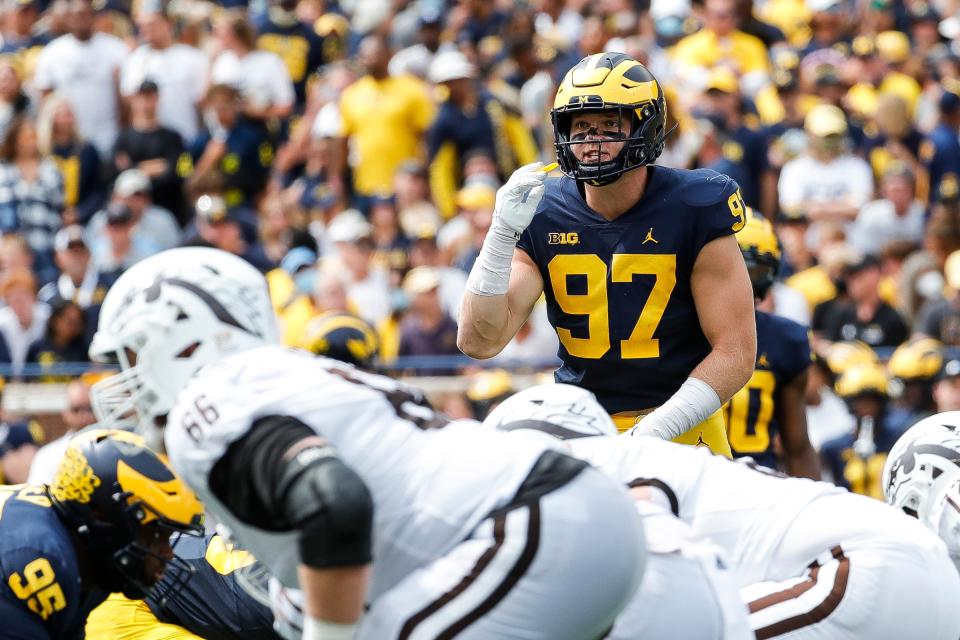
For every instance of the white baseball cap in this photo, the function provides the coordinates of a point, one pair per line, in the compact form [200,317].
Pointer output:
[450,65]
[130,182]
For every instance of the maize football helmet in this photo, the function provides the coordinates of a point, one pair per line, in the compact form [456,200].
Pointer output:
[344,337]
[761,251]
[610,82]
[120,500]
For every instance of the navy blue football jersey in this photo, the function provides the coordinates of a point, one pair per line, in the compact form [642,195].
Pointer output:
[41,595]
[618,292]
[213,604]
[783,353]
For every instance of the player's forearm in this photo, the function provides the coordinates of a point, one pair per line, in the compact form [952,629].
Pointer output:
[483,320]
[699,396]
[333,600]
[803,463]
[496,297]
[727,368]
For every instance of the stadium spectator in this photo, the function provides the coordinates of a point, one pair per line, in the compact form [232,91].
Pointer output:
[82,66]
[898,215]
[14,103]
[861,314]
[260,77]
[392,246]
[426,328]
[891,137]
[415,60]
[827,182]
[946,392]
[80,281]
[721,44]
[22,320]
[855,460]
[120,247]
[19,442]
[153,149]
[368,288]
[31,194]
[476,22]
[383,118]
[177,71]
[77,414]
[424,252]
[228,229]
[78,160]
[475,202]
[940,319]
[154,224]
[827,25]
[281,32]
[233,148]
[64,341]
[940,151]
[20,33]
[743,148]
[470,119]
[295,304]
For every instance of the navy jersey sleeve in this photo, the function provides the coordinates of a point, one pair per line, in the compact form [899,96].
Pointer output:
[42,588]
[20,624]
[718,207]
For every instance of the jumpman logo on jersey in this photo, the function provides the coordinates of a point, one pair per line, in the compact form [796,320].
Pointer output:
[650,238]
[700,441]
[762,361]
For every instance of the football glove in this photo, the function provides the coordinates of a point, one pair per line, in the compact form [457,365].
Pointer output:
[519,198]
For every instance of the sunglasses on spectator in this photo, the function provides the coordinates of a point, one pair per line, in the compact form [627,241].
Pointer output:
[81,408]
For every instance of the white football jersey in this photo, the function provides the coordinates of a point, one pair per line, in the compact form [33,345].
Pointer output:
[744,509]
[430,487]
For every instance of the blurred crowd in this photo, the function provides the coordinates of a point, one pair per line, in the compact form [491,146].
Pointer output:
[352,150]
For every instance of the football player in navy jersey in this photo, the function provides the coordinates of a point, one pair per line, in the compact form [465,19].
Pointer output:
[644,281]
[212,605]
[104,525]
[771,404]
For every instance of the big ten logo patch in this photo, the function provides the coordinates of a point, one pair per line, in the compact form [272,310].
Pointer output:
[563,238]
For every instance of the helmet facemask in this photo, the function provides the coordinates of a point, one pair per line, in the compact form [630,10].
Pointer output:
[126,571]
[643,143]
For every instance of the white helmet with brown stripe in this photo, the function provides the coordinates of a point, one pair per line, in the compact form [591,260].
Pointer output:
[166,317]
[922,462]
[560,410]
[944,518]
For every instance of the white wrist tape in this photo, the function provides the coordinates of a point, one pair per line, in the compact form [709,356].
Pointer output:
[490,275]
[694,402]
[314,629]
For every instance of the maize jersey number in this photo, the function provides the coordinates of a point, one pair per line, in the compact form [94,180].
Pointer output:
[595,304]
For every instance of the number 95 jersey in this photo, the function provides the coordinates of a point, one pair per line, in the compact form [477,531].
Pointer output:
[41,595]
[618,292]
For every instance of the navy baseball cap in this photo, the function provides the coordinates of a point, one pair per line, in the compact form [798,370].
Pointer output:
[15,435]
